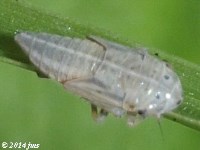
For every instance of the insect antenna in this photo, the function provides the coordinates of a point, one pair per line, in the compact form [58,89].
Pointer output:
[160,127]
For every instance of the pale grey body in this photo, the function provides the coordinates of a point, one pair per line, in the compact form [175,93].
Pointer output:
[117,78]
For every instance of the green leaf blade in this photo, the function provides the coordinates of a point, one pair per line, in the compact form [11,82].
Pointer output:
[15,17]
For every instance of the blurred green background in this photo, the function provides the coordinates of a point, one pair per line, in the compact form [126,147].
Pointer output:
[40,111]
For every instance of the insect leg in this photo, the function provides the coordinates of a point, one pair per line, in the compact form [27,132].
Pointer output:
[98,116]
[40,74]
[94,39]
[94,111]
[103,114]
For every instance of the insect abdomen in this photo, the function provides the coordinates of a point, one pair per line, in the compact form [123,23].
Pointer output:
[61,58]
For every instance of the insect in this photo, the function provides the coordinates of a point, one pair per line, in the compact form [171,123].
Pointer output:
[114,78]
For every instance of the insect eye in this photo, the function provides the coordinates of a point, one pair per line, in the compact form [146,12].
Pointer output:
[166,77]
[158,95]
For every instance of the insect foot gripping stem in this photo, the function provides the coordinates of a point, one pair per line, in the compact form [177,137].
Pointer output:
[133,119]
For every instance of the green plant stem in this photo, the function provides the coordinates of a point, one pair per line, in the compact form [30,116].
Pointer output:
[15,17]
